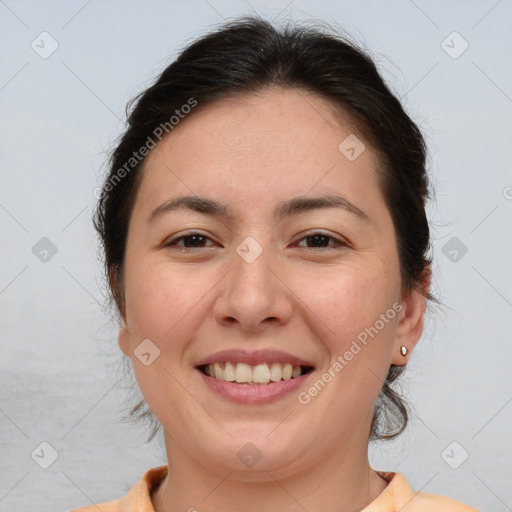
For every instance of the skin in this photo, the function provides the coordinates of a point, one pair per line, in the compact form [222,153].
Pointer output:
[250,153]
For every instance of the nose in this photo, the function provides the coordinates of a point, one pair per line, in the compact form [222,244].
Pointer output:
[254,296]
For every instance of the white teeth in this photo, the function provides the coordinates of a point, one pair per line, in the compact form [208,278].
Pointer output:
[243,373]
[229,372]
[246,374]
[218,371]
[275,372]
[287,371]
[261,374]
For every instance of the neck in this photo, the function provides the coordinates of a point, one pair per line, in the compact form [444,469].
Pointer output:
[343,483]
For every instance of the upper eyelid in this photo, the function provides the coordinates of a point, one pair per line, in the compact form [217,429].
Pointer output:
[173,238]
[338,238]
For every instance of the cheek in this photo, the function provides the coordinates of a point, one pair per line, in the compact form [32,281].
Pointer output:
[162,300]
[349,304]
[346,301]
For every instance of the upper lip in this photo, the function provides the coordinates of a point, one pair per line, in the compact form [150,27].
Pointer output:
[253,357]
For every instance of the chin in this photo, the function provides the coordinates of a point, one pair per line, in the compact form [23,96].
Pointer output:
[250,457]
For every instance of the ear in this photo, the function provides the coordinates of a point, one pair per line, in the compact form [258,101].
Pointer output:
[115,280]
[123,339]
[410,322]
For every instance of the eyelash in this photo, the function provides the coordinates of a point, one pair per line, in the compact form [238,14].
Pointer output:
[338,243]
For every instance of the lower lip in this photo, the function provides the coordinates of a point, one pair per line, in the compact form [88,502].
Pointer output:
[259,393]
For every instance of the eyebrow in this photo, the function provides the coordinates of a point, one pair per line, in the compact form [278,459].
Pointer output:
[287,208]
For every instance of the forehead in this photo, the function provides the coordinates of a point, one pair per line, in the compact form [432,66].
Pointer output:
[294,122]
[260,147]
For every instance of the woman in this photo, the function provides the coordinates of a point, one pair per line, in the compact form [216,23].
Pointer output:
[266,246]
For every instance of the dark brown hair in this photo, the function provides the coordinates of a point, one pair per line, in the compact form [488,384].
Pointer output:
[247,56]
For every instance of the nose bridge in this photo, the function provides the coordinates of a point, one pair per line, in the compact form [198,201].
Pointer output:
[252,277]
[252,292]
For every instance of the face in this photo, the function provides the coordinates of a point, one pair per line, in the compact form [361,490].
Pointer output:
[266,276]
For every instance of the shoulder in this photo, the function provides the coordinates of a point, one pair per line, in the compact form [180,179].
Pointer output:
[138,498]
[408,500]
[108,506]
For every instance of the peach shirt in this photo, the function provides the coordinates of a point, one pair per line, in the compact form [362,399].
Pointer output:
[397,496]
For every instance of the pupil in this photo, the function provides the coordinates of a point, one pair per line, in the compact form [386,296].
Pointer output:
[318,238]
[194,239]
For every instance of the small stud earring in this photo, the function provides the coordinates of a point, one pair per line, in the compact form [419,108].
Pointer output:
[403,350]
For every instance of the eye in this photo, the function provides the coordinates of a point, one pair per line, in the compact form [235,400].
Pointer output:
[319,240]
[316,240]
[190,241]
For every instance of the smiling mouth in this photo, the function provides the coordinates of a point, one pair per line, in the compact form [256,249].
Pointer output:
[253,375]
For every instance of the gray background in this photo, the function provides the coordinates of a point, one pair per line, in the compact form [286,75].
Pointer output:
[59,359]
